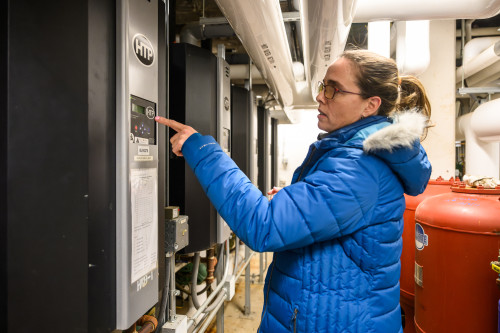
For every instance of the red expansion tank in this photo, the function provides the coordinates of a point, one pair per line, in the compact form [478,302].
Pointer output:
[407,280]
[457,235]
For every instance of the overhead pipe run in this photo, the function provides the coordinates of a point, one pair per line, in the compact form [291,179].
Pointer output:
[481,61]
[262,33]
[409,10]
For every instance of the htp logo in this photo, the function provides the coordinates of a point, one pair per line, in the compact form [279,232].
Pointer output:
[143,50]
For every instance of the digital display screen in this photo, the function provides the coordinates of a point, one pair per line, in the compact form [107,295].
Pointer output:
[138,109]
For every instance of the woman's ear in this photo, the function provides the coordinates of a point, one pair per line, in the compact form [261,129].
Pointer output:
[372,106]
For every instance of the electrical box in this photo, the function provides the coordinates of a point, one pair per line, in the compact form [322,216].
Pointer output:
[176,234]
[136,160]
[223,124]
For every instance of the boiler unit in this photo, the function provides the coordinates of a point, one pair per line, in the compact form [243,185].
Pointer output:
[200,91]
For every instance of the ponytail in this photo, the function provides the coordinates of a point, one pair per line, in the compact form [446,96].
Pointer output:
[413,96]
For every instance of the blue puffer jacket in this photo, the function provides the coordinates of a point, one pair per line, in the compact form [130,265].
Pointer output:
[336,231]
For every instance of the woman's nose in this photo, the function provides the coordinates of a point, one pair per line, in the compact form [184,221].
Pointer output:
[320,97]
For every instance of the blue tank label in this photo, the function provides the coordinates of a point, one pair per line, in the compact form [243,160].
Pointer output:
[421,239]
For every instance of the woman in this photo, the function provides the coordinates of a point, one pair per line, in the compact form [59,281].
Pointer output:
[336,231]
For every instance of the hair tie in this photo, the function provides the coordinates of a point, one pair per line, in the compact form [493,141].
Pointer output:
[399,80]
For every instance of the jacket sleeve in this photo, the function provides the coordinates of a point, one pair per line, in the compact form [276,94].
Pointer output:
[335,200]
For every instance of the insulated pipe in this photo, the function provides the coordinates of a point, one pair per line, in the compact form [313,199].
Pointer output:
[485,58]
[476,46]
[485,121]
[409,10]
[262,32]
[485,77]
[379,38]
[413,54]
[481,158]
[325,28]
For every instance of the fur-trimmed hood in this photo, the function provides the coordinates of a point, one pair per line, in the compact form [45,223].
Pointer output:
[394,140]
[406,127]
[398,145]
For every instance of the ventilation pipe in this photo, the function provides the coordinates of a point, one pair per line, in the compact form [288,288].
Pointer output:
[409,10]
[481,130]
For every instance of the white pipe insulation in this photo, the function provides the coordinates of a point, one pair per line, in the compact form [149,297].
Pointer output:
[379,38]
[485,121]
[413,54]
[259,25]
[409,10]
[479,55]
[325,28]
[481,130]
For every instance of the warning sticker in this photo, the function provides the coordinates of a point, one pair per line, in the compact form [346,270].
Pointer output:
[421,239]
[144,204]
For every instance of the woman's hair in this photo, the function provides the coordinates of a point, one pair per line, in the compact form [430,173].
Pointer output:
[378,76]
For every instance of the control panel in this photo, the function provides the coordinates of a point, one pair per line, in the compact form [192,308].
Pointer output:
[136,160]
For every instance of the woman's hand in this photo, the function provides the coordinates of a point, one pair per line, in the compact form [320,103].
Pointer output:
[183,133]
[272,192]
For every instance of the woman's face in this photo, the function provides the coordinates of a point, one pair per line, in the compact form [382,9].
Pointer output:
[344,108]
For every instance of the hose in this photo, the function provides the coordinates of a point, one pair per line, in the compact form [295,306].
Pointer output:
[194,280]
[191,321]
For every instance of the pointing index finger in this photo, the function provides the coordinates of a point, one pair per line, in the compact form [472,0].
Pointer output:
[176,126]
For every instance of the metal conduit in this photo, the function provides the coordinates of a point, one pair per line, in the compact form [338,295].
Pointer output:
[244,266]
[218,303]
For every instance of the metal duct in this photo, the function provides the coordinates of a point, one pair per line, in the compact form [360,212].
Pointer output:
[409,10]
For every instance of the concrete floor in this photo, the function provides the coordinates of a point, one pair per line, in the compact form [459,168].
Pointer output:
[235,320]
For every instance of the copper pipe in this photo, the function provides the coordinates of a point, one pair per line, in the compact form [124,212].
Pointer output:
[211,262]
[148,324]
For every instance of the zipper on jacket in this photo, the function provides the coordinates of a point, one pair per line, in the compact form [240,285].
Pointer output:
[267,294]
[307,162]
[294,319]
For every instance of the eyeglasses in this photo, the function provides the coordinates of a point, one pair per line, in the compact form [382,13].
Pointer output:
[330,91]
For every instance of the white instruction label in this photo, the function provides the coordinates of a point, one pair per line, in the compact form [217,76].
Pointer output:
[144,204]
